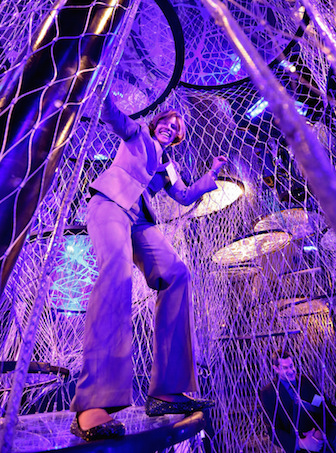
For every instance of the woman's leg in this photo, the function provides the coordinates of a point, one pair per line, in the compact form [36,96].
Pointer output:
[173,369]
[106,376]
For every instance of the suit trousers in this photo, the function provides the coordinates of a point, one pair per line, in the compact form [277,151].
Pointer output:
[120,238]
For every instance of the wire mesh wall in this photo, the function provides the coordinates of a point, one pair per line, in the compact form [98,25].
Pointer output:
[260,249]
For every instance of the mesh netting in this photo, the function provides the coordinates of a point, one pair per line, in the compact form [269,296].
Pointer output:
[261,252]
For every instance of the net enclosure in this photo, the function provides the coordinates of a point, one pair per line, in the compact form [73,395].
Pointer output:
[261,247]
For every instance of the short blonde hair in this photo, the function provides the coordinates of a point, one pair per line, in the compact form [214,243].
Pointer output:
[181,132]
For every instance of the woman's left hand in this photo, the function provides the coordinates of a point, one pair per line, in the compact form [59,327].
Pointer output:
[218,163]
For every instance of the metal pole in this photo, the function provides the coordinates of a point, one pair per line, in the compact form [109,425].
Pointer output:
[307,149]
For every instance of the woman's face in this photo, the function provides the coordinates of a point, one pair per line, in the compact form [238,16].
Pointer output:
[166,130]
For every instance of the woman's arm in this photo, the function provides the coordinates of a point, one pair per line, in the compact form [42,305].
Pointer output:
[121,124]
[186,195]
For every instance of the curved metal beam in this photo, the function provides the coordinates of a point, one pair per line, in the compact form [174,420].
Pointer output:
[177,31]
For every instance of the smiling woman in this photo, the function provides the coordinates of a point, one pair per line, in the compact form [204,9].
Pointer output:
[121,225]
[166,131]
[168,128]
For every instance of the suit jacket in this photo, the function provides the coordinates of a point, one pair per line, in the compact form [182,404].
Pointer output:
[285,413]
[137,166]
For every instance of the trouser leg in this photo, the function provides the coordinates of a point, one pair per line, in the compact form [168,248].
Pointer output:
[173,369]
[106,376]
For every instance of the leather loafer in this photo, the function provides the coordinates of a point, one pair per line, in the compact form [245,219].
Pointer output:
[155,407]
[111,429]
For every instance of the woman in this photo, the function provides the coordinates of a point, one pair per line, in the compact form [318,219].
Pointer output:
[121,225]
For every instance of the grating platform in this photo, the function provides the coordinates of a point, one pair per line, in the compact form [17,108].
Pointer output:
[50,432]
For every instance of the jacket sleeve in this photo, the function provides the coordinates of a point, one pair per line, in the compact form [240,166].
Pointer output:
[121,124]
[277,432]
[186,195]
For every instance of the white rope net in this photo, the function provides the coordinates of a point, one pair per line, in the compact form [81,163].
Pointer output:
[260,250]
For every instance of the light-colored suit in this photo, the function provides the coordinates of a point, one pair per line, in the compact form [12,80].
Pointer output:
[121,226]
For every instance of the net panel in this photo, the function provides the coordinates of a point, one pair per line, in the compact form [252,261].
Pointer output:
[260,251]
[18,20]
